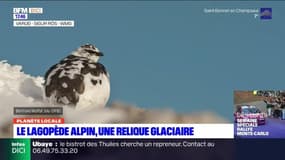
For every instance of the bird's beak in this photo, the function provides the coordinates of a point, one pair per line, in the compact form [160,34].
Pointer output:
[99,54]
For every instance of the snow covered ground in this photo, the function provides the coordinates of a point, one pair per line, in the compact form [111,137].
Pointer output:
[22,90]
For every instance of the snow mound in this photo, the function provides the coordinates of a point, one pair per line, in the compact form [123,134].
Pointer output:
[23,90]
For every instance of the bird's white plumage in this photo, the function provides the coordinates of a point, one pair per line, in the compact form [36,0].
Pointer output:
[95,95]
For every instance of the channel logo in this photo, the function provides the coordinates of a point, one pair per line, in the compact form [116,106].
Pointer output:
[28,10]
[18,148]
[265,13]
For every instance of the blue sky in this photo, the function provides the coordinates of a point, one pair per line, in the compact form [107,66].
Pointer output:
[159,54]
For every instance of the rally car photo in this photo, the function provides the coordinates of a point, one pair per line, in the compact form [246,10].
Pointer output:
[249,112]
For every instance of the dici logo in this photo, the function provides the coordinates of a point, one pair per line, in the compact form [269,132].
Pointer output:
[20,149]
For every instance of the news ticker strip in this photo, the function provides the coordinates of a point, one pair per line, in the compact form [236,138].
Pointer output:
[127,131]
[139,149]
[35,149]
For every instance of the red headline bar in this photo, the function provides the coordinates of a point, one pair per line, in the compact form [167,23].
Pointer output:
[38,120]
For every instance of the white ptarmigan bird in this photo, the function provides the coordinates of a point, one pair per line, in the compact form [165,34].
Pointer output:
[78,80]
